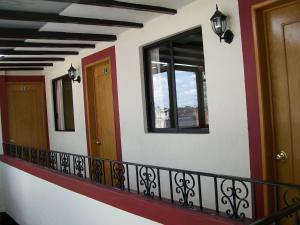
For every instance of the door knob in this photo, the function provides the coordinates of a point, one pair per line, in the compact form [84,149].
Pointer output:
[98,142]
[281,156]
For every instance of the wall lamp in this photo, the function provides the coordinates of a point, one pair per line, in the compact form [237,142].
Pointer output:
[72,72]
[219,26]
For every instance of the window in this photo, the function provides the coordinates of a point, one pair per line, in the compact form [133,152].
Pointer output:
[63,104]
[176,84]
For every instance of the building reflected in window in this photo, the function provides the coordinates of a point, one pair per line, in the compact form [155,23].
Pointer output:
[176,84]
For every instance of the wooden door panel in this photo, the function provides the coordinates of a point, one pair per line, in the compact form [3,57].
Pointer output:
[283,49]
[26,114]
[292,43]
[101,110]
[101,115]
[105,110]
[280,79]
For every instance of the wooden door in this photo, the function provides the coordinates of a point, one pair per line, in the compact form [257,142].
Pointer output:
[283,27]
[26,114]
[101,110]
[279,37]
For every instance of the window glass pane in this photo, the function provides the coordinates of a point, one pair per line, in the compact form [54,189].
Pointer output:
[190,81]
[68,104]
[205,99]
[176,87]
[187,99]
[63,104]
[160,62]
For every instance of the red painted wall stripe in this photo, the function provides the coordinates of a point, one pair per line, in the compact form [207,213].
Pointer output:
[245,9]
[151,209]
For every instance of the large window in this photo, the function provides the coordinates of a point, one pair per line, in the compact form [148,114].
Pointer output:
[176,84]
[63,104]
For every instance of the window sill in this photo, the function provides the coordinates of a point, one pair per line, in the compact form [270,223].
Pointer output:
[64,130]
[179,131]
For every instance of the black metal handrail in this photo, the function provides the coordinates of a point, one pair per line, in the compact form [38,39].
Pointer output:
[289,213]
[219,194]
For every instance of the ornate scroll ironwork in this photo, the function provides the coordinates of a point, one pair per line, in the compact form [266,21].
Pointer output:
[65,163]
[42,157]
[19,152]
[147,179]
[33,155]
[236,197]
[79,166]
[185,184]
[291,196]
[119,174]
[97,170]
[25,153]
[53,160]
[12,150]
[233,192]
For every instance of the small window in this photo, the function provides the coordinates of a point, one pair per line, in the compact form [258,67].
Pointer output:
[63,104]
[176,84]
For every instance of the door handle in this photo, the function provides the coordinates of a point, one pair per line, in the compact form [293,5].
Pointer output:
[98,142]
[281,156]
[12,141]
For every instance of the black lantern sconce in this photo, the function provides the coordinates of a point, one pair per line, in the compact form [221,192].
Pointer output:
[219,26]
[72,72]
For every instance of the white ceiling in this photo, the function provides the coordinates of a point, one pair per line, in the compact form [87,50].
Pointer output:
[89,29]
[87,11]
[97,12]
[81,11]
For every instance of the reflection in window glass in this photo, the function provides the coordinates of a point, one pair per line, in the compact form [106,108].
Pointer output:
[161,100]
[176,84]
[205,98]
[187,99]
[63,104]
[159,67]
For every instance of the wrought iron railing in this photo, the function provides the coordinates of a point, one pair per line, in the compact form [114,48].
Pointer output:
[288,215]
[230,196]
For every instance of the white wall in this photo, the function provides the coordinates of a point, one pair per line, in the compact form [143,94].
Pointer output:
[32,201]
[223,150]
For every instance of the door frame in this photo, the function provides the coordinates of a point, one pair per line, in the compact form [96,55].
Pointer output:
[4,79]
[267,139]
[88,62]
[252,95]
[263,81]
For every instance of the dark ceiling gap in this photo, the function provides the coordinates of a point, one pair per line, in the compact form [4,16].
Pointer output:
[25,64]
[55,18]
[27,52]
[31,59]
[21,68]
[18,33]
[14,44]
